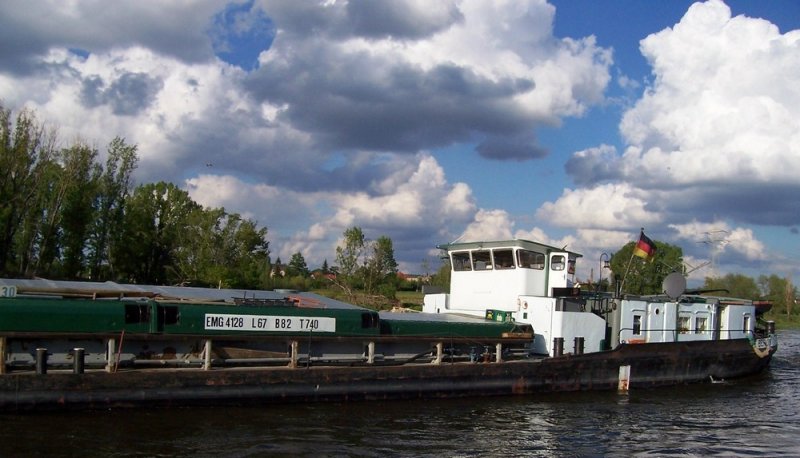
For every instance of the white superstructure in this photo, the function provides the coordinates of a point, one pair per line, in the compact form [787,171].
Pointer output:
[532,283]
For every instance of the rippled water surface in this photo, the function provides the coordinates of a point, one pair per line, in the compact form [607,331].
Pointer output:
[752,417]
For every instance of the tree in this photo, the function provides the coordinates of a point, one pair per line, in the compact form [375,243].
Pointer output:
[38,240]
[249,251]
[442,277]
[348,259]
[646,276]
[779,291]
[789,296]
[155,216]
[80,175]
[297,265]
[25,154]
[383,257]
[114,188]
[195,252]
[381,267]
[734,285]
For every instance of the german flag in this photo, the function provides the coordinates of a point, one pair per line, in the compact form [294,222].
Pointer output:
[645,248]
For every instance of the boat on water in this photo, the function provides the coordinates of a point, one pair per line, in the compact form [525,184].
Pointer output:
[513,323]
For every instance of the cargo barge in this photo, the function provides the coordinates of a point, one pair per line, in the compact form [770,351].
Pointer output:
[512,324]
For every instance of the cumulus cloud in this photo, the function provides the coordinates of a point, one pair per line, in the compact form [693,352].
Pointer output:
[410,20]
[714,114]
[595,165]
[262,202]
[181,115]
[341,82]
[712,142]
[488,225]
[718,237]
[128,95]
[418,207]
[433,77]
[30,30]
[610,205]
[713,117]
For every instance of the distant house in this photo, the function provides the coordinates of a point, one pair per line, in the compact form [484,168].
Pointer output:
[319,274]
[413,278]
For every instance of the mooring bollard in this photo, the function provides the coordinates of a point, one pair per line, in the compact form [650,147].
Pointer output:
[578,347]
[41,361]
[558,346]
[77,362]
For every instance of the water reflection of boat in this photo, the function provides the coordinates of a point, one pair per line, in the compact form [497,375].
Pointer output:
[511,324]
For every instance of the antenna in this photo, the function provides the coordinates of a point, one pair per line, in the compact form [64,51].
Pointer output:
[457,239]
[693,268]
[716,243]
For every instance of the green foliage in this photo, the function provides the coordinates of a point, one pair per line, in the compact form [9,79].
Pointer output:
[26,155]
[114,187]
[783,321]
[221,249]
[349,255]
[348,259]
[297,265]
[442,277]
[155,217]
[380,269]
[81,175]
[387,290]
[168,238]
[368,266]
[411,299]
[64,215]
[734,285]
[780,291]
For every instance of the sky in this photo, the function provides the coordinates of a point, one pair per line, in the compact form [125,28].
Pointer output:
[573,123]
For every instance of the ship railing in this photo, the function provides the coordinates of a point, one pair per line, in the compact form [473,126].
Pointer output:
[714,334]
[122,351]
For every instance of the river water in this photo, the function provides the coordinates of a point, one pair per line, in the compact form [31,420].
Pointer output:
[752,417]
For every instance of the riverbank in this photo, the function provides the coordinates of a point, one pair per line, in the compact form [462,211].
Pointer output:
[784,322]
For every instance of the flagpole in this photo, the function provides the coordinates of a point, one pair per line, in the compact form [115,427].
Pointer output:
[622,283]
[628,268]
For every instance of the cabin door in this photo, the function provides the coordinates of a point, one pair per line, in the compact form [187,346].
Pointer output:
[557,271]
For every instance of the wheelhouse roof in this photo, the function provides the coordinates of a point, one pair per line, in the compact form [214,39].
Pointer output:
[514,243]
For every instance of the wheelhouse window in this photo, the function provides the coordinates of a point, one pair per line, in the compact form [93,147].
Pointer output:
[482,260]
[746,324]
[503,259]
[461,261]
[530,259]
[558,263]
